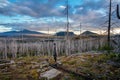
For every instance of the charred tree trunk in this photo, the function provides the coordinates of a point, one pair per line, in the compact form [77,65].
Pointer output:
[109,25]
[118,13]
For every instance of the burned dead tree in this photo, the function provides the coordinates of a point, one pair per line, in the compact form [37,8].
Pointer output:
[67,19]
[117,11]
[55,54]
[109,24]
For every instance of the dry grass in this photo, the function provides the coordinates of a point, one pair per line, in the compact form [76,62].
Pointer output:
[95,65]
[98,66]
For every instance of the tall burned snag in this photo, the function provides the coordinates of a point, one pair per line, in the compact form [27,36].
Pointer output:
[67,37]
[109,25]
[67,16]
[117,11]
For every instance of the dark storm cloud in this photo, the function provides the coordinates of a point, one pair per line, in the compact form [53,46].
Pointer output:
[45,8]
[90,13]
[34,8]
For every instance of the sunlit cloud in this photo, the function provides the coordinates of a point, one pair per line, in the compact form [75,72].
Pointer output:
[5,29]
[63,7]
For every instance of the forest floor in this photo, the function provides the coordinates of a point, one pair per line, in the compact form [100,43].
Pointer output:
[94,65]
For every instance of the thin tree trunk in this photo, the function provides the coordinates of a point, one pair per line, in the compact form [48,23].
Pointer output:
[109,25]
[118,14]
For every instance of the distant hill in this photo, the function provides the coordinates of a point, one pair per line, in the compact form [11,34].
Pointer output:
[89,33]
[64,33]
[25,31]
[18,33]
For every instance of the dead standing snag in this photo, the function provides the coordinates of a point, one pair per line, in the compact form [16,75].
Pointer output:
[117,11]
[55,54]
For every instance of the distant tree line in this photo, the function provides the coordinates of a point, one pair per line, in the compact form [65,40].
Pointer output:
[14,49]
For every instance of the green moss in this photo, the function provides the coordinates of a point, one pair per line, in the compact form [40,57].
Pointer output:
[106,47]
[72,62]
[86,64]
[5,77]
[34,74]
[74,77]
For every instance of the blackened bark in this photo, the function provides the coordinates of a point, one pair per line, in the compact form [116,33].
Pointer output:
[118,13]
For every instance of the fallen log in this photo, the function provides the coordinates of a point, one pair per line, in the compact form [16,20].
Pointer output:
[5,65]
[71,72]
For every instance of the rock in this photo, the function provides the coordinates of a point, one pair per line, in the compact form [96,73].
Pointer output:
[33,62]
[44,69]
[51,74]
[44,64]
[35,66]
[59,63]
[13,66]
[12,61]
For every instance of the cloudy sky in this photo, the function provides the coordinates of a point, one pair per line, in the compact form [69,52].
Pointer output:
[41,15]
